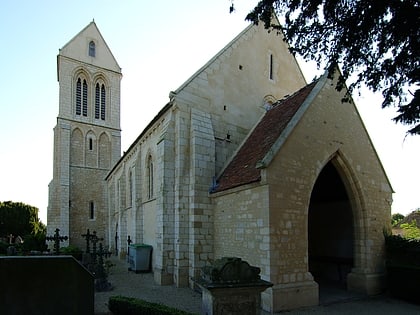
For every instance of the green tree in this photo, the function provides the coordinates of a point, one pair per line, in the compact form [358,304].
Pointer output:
[19,219]
[396,218]
[374,42]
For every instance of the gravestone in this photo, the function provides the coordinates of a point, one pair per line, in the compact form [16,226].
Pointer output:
[57,238]
[231,286]
[101,276]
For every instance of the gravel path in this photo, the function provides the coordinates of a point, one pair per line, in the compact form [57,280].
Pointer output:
[142,286]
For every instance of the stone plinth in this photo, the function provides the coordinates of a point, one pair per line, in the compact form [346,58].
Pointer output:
[240,300]
[231,286]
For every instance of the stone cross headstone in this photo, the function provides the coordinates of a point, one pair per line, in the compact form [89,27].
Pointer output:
[57,238]
[129,241]
[101,277]
[95,239]
[116,243]
[88,237]
[10,238]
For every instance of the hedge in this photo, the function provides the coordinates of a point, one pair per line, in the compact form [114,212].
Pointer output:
[121,305]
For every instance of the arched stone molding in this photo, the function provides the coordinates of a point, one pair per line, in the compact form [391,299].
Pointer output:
[82,111]
[82,72]
[104,151]
[101,78]
[91,149]
[363,277]
[355,195]
[77,147]
[149,175]
[268,101]
[356,198]
[100,98]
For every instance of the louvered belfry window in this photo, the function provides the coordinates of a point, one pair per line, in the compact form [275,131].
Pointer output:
[103,102]
[97,100]
[100,98]
[85,98]
[78,97]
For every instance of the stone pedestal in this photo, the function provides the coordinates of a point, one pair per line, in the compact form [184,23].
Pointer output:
[233,300]
[231,286]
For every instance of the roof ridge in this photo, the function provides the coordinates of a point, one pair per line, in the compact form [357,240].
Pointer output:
[287,97]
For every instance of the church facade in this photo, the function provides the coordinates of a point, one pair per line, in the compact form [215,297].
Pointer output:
[245,160]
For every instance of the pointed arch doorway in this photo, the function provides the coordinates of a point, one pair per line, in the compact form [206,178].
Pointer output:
[330,233]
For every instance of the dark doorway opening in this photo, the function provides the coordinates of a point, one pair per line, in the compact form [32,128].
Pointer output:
[330,233]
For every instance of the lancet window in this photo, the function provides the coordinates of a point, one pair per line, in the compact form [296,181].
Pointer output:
[100,99]
[81,97]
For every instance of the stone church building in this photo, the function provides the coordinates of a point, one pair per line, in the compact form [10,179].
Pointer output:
[246,159]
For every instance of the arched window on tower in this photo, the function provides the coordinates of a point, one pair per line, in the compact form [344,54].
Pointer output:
[85,98]
[79,97]
[103,102]
[100,98]
[97,100]
[92,49]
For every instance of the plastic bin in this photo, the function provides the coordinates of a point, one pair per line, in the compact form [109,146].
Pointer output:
[139,257]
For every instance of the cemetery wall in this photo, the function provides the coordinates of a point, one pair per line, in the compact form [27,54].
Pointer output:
[46,285]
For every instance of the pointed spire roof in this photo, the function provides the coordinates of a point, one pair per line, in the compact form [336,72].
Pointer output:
[78,48]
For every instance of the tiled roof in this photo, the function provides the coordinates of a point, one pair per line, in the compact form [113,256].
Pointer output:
[242,169]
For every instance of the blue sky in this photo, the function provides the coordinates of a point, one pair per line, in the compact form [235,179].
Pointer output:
[159,45]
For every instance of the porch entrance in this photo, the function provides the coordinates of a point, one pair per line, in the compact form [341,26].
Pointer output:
[330,233]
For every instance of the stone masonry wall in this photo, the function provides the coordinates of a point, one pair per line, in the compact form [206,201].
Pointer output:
[241,226]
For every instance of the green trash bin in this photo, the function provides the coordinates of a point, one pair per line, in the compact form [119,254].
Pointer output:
[139,257]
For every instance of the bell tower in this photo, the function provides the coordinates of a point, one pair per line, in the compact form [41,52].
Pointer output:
[87,136]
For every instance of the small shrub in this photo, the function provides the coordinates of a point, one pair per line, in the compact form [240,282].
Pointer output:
[34,242]
[411,230]
[403,269]
[120,305]
[3,248]
[402,251]
[74,251]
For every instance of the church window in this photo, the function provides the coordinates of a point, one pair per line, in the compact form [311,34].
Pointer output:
[119,194]
[97,97]
[90,144]
[79,97]
[100,101]
[150,177]
[130,200]
[270,70]
[103,102]
[91,210]
[92,49]
[84,104]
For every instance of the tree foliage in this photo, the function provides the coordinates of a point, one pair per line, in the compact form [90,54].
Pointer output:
[17,218]
[374,42]
[396,218]
[411,231]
